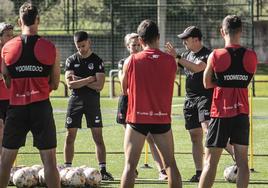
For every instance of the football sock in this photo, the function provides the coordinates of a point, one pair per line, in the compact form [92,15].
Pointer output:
[67,164]
[102,167]
[198,172]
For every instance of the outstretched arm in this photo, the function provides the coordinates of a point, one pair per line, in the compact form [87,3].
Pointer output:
[193,67]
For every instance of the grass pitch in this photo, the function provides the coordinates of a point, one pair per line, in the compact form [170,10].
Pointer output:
[113,137]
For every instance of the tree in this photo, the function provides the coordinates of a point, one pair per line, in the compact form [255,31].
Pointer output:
[41,4]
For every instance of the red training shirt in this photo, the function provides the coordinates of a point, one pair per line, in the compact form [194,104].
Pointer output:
[151,75]
[231,101]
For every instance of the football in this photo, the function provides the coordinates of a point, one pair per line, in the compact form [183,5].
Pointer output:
[93,176]
[63,173]
[230,173]
[75,177]
[41,177]
[12,172]
[36,168]
[25,177]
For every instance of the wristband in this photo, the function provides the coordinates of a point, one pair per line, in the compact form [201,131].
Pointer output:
[178,56]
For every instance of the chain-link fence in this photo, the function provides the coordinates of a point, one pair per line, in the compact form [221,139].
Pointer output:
[108,21]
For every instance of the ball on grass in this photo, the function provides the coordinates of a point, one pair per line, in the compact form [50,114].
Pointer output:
[230,173]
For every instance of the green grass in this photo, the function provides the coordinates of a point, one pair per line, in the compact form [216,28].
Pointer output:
[113,137]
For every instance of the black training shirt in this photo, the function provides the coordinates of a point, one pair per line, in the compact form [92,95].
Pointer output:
[84,67]
[194,81]
[121,64]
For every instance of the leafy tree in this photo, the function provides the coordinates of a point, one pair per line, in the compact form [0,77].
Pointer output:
[41,4]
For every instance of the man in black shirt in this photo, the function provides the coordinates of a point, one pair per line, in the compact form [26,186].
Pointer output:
[198,99]
[85,76]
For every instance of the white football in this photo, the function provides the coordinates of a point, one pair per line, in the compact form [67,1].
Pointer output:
[36,168]
[63,174]
[41,177]
[12,172]
[24,177]
[93,176]
[60,167]
[75,177]
[230,173]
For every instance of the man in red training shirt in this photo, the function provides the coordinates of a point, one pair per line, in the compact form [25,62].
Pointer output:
[31,70]
[148,80]
[6,33]
[229,71]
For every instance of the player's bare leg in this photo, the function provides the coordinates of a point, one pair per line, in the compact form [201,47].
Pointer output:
[165,144]
[133,144]
[69,145]
[50,168]
[197,150]
[156,157]
[212,157]
[241,155]
[101,152]
[7,159]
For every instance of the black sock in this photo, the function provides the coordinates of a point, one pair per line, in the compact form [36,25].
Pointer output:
[67,164]
[198,172]
[102,167]
[163,171]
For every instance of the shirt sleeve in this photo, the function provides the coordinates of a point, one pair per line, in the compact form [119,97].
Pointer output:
[204,58]
[68,64]
[121,64]
[250,61]
[99,68]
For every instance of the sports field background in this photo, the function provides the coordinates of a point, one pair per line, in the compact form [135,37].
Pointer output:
[113,136]
[107,21]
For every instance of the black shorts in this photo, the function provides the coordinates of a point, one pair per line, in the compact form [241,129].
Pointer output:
[122,109]
[77,107]
[196,110]
[37,118]
[3,109]
[151,128]
[220,130]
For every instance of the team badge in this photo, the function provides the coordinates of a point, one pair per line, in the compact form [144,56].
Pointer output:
[90,66]
[97,120]
[69,120]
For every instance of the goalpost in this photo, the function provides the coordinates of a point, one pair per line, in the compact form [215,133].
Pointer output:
[251,149]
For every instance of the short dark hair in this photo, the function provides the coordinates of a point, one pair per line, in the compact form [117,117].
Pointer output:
[232,24]
[80,36]
[148,31]
[28,13]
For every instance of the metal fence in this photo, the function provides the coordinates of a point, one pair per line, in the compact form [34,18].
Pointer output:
[107,21]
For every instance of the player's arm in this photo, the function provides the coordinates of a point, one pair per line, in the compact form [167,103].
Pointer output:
[54,77]
[172,51]
[208,80]
[120,75]
[124,84]
[76,82]
[98,83]
[193,67]
[5,74]
[120,70]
